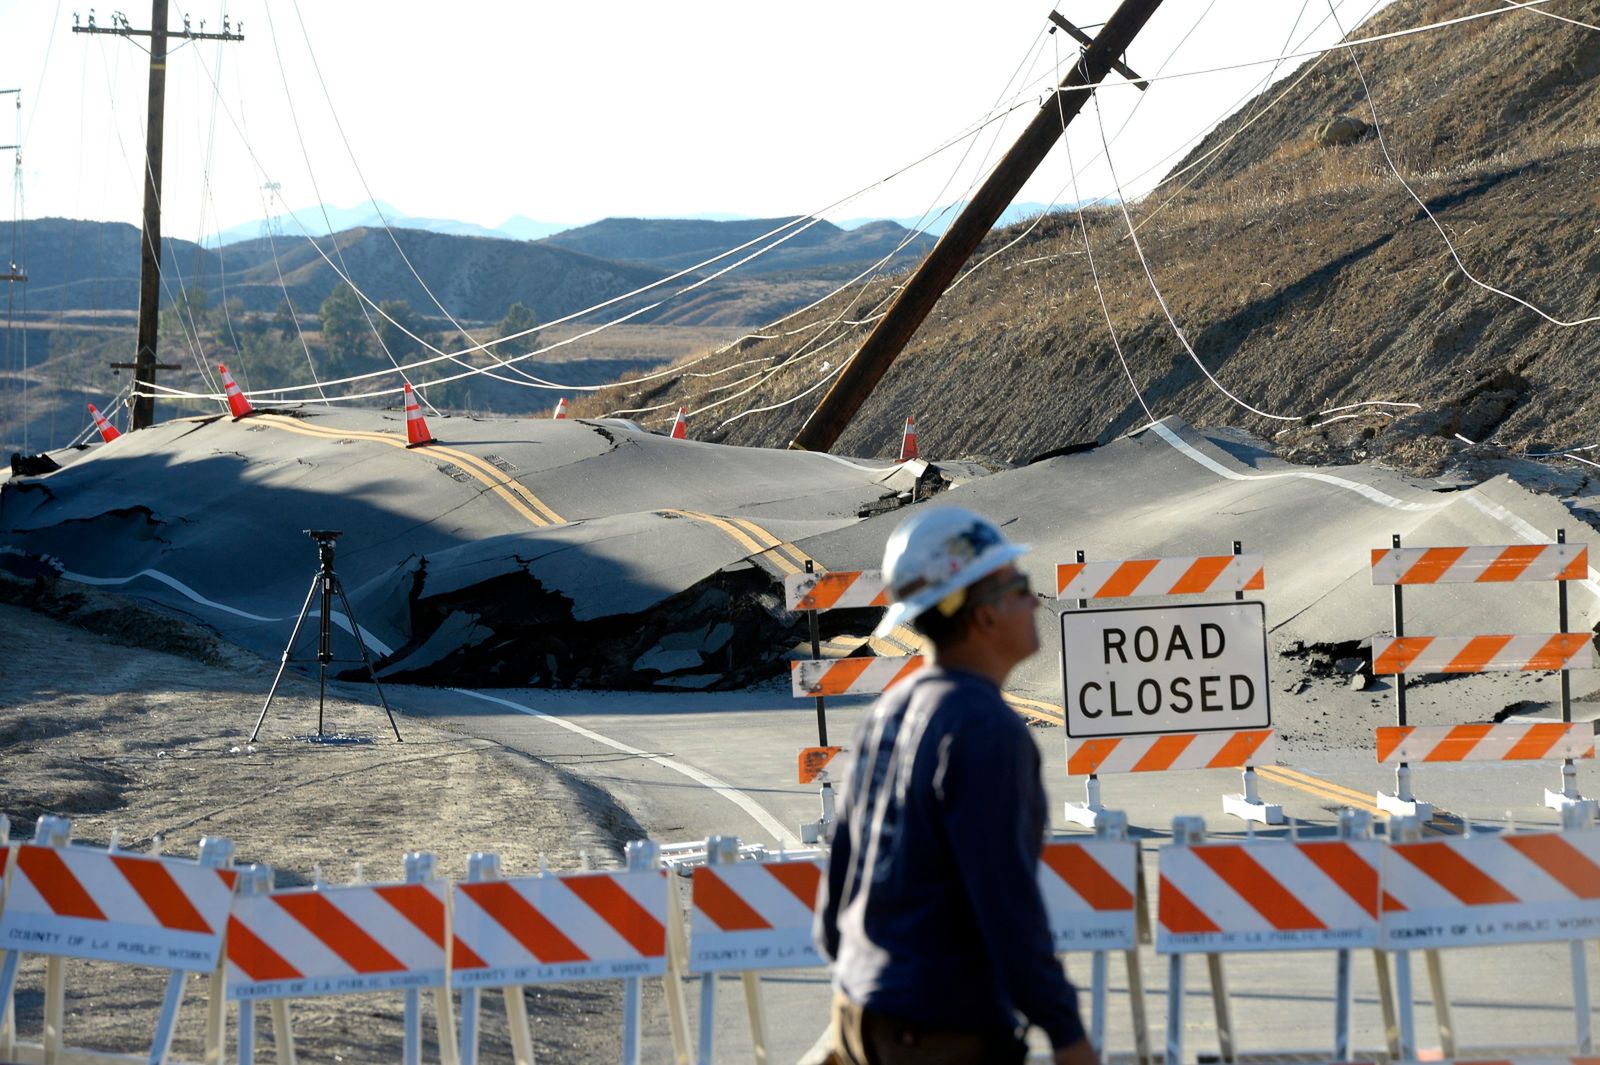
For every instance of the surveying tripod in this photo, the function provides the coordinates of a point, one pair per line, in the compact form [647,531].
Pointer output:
[324,584]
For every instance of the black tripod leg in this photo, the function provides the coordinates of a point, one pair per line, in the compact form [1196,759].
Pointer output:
[366,660]
[316,582]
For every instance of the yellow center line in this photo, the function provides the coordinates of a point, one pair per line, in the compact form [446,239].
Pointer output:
[501,482]
[1305,781]
[510,491]
[1044,711]
[1031,708]
[786,555]
[1325,789]
[738,535]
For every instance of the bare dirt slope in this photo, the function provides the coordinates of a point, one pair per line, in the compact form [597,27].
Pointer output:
[1304,277]
[144,743]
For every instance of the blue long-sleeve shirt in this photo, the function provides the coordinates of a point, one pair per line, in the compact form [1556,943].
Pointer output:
[931,910]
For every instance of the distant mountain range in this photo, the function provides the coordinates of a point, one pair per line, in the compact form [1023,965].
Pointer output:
[84,265]
[320,220]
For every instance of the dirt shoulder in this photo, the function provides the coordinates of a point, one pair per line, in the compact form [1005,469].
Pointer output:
[142,743]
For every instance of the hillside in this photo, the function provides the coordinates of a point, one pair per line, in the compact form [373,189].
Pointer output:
[1305,278]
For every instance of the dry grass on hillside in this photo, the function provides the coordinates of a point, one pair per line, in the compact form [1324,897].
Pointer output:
[1303,277]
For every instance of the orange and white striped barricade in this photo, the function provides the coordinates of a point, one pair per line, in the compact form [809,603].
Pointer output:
[258,880]
[554,929]
[1094,897]
[818,678]
[745,917]
[1401,567]
[110,905]
[1487,890]
[1265,895]
[340,940]
[1158,688]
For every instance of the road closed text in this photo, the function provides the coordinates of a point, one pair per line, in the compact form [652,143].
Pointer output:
[1165,669]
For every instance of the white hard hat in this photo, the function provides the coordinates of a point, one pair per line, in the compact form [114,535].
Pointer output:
[936,553]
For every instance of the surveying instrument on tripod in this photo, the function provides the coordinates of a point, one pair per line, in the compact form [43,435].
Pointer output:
[324,586]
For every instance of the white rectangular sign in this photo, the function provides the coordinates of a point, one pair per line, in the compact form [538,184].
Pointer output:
[1140,670]
[753,915]
[128,908]
[1269,895]
[1514,887]
[1090,889]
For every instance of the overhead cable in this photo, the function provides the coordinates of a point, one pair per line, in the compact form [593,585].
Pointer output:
[800,221]
[1383,146]
[1162,300]
[1083,228]
[322,205]
[383,219]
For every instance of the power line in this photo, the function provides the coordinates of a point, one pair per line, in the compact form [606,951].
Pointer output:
[1167,311]
[813,219]
[1383,146]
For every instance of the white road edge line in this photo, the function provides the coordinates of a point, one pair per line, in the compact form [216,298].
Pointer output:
[193,596]
[780,834]
[1365,490]
[1522,528]
[1530,533]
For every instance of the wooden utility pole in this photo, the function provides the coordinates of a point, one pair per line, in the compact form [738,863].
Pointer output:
[930,280]
[144,363]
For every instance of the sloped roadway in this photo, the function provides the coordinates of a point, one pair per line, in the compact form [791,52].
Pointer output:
[205,515]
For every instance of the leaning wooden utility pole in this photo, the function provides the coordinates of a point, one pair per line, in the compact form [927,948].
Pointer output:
[144,365]
[928,283]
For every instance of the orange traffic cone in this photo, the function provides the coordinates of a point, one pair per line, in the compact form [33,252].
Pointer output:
[561,409]
[238,406]
[908,443]
[108,432]
[680,428]
[417,434]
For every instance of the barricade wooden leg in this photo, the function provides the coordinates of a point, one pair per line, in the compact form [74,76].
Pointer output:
[1099,973]
[1341,1007]
[9,960]
[1391,1027]
[55,993]
[1175,1010]
[167,1023]
[444,1024]
[758,1020]
[216,1016]
[1580,998]
[1219,999]
[521,1031]
[672,981]
[1441,1004]
[708,1018]
[247,1032]
[1141,1020]
[282,1034]
[1404,1004]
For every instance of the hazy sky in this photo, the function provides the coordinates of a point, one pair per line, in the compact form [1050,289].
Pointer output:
[568,112]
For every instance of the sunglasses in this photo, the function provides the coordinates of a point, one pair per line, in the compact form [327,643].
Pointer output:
[1018,585]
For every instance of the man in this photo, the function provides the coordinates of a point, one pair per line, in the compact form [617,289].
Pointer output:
[931,910]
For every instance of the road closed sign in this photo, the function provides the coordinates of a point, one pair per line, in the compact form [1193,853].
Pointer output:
[1141,670]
